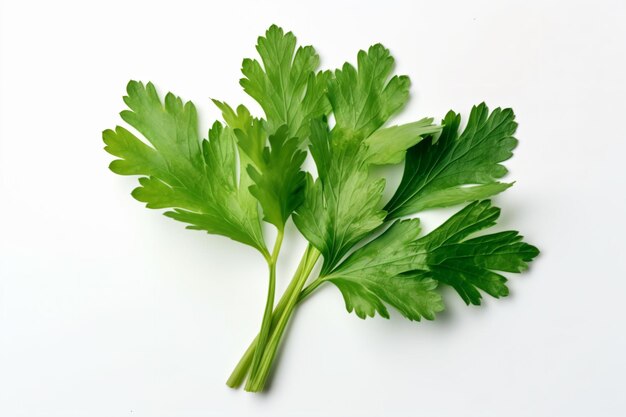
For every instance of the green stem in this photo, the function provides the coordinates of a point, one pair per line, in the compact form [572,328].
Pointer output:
[258,379]
[243,366]
[310,288]
[269,304]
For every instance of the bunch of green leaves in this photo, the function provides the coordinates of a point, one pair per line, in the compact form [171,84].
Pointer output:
[249,170]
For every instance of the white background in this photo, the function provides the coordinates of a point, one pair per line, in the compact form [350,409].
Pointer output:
[109,309]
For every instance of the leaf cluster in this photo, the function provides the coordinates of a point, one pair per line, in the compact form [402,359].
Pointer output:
[248,169]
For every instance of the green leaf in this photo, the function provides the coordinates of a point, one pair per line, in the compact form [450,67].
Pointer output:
[196,179]
[279,182]
[250,132]
[390,254]
[343,205]
[386,271]
[457,168]
[364,98]
[389,145]
[402,270]
[291,95]
[286,86]
[468,265]
[337,214]
[274,169]
[413,295]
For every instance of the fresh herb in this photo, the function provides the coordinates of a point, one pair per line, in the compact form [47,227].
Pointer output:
[249,170]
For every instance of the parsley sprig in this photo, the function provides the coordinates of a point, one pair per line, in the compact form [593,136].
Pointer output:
[249,170]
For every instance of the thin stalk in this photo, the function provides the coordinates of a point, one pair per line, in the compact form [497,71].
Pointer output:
[243,366]
[269,304]
[311,287]
[257,380]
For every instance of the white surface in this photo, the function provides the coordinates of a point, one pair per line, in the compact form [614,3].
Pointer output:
[108,309]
